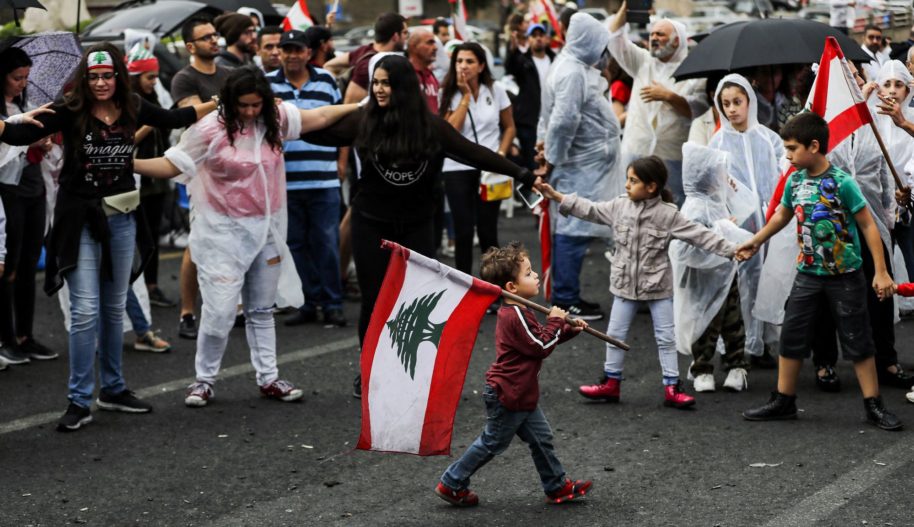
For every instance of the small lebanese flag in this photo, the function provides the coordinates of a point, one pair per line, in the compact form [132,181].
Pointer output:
[416,352]
[836,97]
[298,17]
[460,20]
[545,234]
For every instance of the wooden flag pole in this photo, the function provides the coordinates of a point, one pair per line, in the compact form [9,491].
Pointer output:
[885,153]
[545,310]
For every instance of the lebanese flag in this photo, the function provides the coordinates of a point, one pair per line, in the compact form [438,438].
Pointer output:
[416,352]
[460,20]
[836,97]
[549,11]
[298,17]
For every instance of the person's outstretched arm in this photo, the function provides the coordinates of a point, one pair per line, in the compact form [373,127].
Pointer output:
[469,153]
[156,167]
[320,118]
[341,133]
[778,221]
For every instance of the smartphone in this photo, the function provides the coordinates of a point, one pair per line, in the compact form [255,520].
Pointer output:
[529,196]
[638,11]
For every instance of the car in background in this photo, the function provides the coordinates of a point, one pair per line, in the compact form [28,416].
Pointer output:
[597,12]
[704,17]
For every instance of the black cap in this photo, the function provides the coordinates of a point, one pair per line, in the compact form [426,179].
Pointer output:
[293,38]
[317,35]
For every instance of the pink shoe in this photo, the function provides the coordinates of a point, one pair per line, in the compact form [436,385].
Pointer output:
[675,397]
[569,491]
[608,390]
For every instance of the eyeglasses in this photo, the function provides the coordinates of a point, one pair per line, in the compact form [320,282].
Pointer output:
[108,75]
[209,37]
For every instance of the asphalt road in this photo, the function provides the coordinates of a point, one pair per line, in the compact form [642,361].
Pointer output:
[246,461]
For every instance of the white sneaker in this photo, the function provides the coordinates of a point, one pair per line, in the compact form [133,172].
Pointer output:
[704,383]
[910,396]
[737,380]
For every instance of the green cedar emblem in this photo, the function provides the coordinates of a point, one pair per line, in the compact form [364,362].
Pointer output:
[411,327]
[99,57]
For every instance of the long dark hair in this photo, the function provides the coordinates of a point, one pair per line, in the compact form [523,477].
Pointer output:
[11,60]
[651,169]
[79,100]
[404,130]
[449,87]
[245,81]
[135,84]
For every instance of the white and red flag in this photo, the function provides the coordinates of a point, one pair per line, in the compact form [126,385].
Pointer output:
[298,17]
[416,352]
[545,234]
[459,16]
[835,97]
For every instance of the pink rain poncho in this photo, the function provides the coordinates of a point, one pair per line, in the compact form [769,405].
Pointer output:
[238,194]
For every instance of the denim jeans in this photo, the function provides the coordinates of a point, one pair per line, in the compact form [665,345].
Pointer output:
[620,319]
[97,310]
[136,315]
[501,426]
[258,294]
[314,241]
[567,259]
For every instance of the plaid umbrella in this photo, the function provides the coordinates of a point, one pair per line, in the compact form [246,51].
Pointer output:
[54,58]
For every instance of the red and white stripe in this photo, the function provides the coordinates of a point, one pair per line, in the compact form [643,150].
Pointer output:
[460,20]
[416,415]
[298,17]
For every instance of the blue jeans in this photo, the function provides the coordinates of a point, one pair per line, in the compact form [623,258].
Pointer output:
[97,311]
[501,426]
[314,240]
[620,319]
[136,315]
[567,259]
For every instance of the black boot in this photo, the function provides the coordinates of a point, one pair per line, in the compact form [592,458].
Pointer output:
[879,416]
[765,361]
[780,406]
[899,379]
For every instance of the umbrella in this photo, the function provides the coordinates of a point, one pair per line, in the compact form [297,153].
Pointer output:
[54,58]
[761,43]
[19,4]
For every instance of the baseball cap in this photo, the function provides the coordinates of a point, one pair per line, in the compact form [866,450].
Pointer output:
[293,38]
[534,27]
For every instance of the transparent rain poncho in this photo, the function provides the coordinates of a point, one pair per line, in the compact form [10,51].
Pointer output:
[701,280]
[577,124]
[754,170]
[899,144]
[238,195]
[655,127]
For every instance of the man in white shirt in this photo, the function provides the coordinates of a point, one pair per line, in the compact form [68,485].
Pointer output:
[874,46]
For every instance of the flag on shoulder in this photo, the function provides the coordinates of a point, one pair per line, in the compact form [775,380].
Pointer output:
[416,352]
[298,17]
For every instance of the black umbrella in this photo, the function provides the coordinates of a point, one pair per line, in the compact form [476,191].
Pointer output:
[19,4]
[762,43]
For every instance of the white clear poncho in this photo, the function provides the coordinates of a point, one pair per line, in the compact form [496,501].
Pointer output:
[701,280]
[238,195]
[578,126]
[754,171]
[899,144]
[655,127]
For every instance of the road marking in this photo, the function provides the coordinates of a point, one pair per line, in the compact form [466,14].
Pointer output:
[833,496]
[180,384]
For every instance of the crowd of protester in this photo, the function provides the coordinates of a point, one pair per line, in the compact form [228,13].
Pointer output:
[298,160]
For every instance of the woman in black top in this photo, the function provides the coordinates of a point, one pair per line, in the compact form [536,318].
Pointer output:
[23,194]
[401,146]
[92,241]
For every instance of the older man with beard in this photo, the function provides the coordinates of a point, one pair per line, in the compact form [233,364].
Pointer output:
[661,110]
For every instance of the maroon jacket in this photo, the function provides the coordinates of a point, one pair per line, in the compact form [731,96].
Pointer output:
[521,344]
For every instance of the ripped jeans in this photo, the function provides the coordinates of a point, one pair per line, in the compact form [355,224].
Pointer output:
[258,294]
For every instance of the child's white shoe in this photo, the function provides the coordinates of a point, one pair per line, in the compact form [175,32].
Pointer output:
[737,380]
[910,396]
[704,383]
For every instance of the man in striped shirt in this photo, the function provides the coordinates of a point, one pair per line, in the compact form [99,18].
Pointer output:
[313,186]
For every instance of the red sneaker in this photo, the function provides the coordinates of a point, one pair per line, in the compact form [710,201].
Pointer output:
[281,390]
[459,498]
[607,390]
[569,491]
[675,397]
